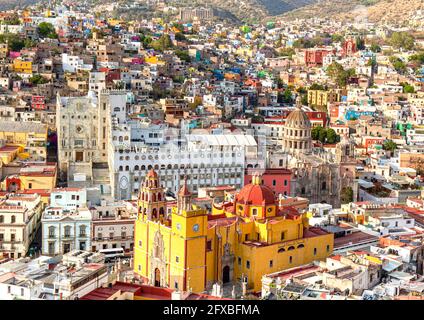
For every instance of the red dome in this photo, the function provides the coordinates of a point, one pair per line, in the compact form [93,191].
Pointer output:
[257,195]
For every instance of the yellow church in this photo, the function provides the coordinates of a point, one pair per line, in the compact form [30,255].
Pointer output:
[192,249]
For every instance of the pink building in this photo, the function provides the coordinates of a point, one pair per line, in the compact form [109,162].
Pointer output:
[276,179]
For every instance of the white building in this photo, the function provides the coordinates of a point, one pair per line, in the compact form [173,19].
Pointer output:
[204,159]
[73,63]
[64,230]
[19,221]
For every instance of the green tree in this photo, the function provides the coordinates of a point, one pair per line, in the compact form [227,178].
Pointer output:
[419,58]
[407,88]
[346,196]
[317,86]
[37,79]
[183,55]
[286,96]
[286,52]
[360,43]
[398,64]
[304,99]
[389,145]
[375,48]
[402,40]
[315,132]
[163,43]
[322,135]
[46,30]
[338,74]
[337,38]
[332,136]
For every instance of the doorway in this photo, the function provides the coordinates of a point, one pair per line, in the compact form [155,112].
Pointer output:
[226,274]
[66,247]
[157,277]
[79,156]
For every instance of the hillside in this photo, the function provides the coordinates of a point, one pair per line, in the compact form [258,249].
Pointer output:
[372,10]
[247,10]
[13,4]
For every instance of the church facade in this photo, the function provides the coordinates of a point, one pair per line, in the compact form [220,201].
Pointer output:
[318,175]
[192,249]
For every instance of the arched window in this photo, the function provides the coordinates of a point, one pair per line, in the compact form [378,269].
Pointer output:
[300,246]
[143,167]
[136,168]
[161,211]
[290,248]
[324,186]
[159,197]
[281,250]
[154,213]
[120,168]
[154,197]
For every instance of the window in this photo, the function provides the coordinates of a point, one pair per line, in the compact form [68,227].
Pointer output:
[177,259]
[139,267]
[274,183]
[282,236]
[82,231]
[140,243]
[12,219]
[285,182]
[176,285]
[254,212]
[271,263]
[246,237]
[315,251]
[9,289]
[239,261]
[67,231]
[290,248]
[1,219]
[51,232]
[290,259]
[209,245]
[248,264]
[328,248]
[30,185]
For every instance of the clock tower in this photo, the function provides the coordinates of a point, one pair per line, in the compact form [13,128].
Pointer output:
[189,232]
